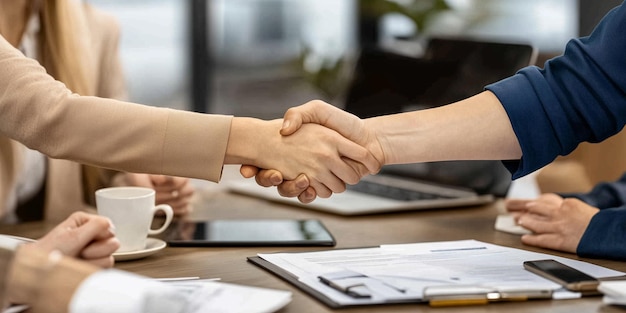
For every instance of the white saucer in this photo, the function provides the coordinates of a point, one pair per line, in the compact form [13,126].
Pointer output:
[153,245]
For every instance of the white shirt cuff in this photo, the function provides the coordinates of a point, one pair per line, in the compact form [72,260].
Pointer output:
[120,292]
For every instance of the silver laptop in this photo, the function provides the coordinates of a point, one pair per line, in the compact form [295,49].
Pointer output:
[385,83]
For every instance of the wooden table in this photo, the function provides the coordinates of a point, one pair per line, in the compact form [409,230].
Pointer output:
[230,264]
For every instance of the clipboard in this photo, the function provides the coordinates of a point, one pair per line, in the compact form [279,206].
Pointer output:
[258,261]
[316,273]
[319,296]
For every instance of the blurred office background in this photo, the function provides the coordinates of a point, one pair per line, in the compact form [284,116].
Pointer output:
[260,57]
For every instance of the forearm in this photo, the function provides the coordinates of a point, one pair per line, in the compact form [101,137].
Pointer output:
[42,114]
[476,128]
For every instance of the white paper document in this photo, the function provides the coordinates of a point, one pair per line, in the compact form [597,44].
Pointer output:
[218,297]
[404,272]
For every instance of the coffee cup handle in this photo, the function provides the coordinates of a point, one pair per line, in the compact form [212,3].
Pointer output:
[169,214]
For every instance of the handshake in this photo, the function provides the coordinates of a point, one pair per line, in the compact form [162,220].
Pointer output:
[318,149]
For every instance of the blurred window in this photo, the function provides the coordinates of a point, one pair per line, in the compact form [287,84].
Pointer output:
[153,49]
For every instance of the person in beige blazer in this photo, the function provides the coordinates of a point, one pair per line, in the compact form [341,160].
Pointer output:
[43,114]
[92,67]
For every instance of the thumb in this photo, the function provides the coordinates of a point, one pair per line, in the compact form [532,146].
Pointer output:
[327,115]
[315,111]
[292,121]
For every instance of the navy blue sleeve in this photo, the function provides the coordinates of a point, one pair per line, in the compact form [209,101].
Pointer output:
[605,237]
[577,97]
[604,195]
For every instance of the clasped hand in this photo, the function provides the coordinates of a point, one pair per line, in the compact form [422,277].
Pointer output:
[346,125]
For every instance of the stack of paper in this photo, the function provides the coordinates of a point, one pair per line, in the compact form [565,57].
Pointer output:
[614,292]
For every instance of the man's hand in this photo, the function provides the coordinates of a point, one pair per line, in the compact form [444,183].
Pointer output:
[556,223]
[346,124]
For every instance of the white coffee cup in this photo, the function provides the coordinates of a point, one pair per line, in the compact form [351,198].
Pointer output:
[132,209]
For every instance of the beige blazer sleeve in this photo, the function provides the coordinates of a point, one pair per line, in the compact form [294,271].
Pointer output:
[42,114]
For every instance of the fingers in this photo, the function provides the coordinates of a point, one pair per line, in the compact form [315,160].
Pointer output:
[544,205]
[169,182]
[548,241]
[516,204]
[308,195]
[356,153]
[293,188]
[544,233]
[556,223]
[161,179]
[298,187]
[100,252]
[249,171]
[91,229]
[105,262]
[176,187]
[171,193]
[536,224]
[178,197]
[175,191]
[323,191]
[77,232]
[140,180]
[268,178]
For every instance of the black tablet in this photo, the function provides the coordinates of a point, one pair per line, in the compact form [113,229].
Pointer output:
[249,232]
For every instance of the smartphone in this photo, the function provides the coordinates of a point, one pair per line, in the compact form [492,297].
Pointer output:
[249,232]
[566,276]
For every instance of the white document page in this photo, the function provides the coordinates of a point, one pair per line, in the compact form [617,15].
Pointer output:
[401,272]
[218,297]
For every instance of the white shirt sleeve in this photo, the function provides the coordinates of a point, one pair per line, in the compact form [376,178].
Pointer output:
[117,291]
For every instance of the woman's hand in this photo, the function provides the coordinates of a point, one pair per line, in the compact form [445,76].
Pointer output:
[85,236]
[175,191]
[298,187]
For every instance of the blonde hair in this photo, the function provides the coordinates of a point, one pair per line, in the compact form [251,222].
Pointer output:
[64,53]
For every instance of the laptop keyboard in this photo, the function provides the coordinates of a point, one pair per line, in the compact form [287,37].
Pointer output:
[395,193]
